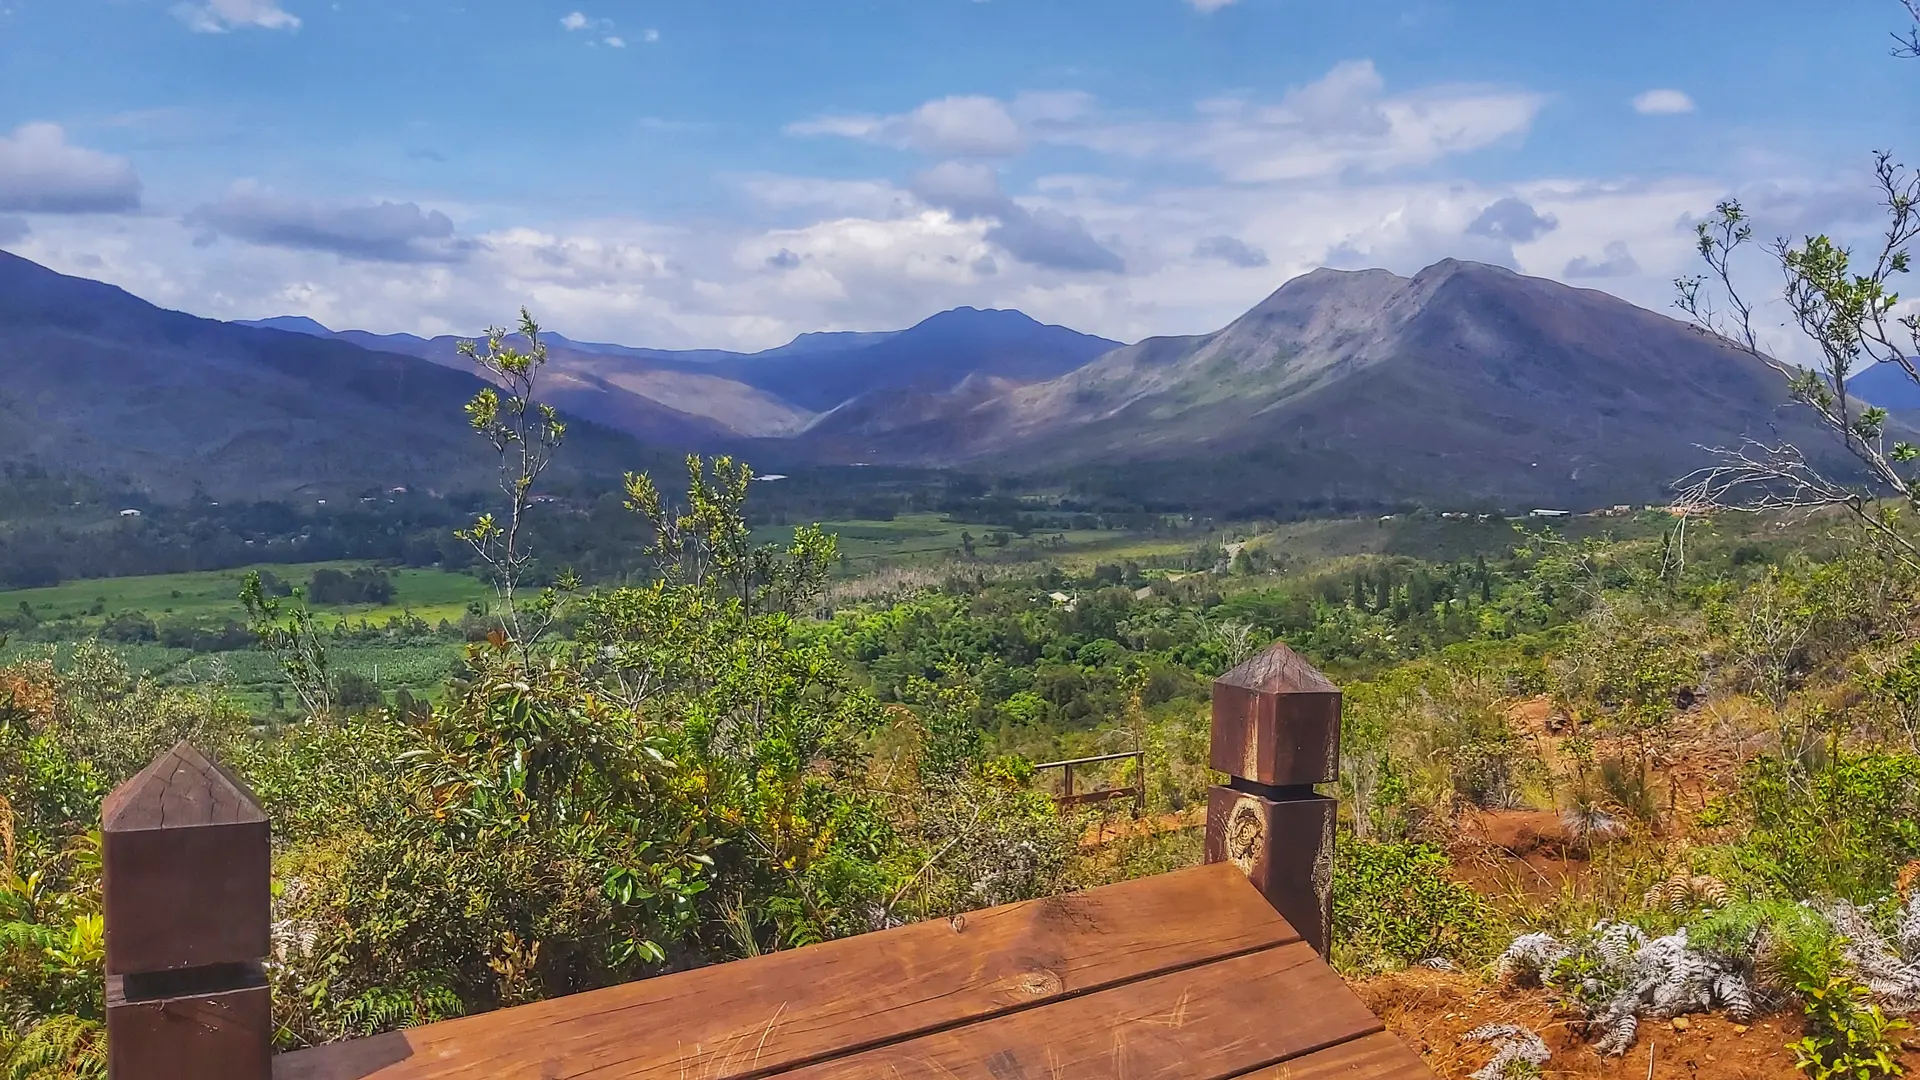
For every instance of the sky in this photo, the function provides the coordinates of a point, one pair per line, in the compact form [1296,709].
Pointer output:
[731,173]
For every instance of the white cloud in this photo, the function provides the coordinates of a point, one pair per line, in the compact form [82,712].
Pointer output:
[575,20]
[1299,182]
[375,231]
[1209,6]
[651,35]
[1513,220]
[968,126]
[1231,251]
[963,126]
[613,42]
[1662,103]
[1344,121]
[42,173]
[220,16]
[1618,261]
[1038,235]
[867,255]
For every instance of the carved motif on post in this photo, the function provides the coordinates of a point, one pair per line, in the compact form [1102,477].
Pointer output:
[186,878]
[1276,733]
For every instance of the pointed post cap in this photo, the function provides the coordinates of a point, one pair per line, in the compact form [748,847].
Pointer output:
[186,868]
[1276,721]
[183,788]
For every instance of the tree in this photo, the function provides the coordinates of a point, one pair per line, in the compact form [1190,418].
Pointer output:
[1848,310]
[524,433]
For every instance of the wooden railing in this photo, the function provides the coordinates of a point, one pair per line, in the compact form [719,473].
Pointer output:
[1068,797]
[187,869]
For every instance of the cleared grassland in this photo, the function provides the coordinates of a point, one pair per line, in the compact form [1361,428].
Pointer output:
[213,596]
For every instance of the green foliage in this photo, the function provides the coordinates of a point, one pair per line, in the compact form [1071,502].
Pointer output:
[1630,661]
[1839,825]
[294,642]
[57,1048]
[363,585]
[1847,1037]
[1394,904]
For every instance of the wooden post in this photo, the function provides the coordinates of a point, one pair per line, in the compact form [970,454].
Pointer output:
[1276,733]
[185,877]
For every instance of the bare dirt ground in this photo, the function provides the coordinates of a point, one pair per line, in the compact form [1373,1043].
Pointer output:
[1523,855]
[1431,1010]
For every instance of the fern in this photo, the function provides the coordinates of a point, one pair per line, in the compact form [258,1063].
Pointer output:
[386,1008]
[58,1048]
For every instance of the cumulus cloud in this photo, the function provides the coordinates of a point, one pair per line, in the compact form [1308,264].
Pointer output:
[876,257]
[1662,103]
[220,16]
[1042,236]
[1208,7]
[1230,251]
[783,260]
[1514,220]
[379,232]
[42,173]
[575,20]
[1617,261]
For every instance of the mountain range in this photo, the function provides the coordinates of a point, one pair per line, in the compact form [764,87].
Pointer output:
[1463,382]
[103,383]
[705,396]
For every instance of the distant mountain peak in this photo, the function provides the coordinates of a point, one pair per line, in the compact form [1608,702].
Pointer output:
[294,324]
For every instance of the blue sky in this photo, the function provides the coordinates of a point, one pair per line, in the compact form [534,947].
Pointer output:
[733,172]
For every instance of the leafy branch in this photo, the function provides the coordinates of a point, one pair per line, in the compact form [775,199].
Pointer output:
[295,642]
[525,433]
[1849,312]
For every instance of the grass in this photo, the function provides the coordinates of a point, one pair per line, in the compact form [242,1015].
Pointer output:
[213,596]
[921,537]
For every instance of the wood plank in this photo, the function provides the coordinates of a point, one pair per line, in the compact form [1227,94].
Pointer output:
[1380,1056]
[1211,1022]
[755,1017]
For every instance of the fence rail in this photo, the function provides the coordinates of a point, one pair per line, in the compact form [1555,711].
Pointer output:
[1068,797]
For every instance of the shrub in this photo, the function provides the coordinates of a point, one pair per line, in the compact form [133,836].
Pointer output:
[1393,905]
[1840,827]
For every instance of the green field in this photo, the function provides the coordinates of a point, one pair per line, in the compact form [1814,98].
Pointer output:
[924,537]
[213,596]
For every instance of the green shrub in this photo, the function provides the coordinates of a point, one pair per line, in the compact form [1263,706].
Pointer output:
[1841,827]
[1847,1036]
[1394,905]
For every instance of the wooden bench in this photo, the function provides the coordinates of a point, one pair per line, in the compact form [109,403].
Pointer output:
[1194,974]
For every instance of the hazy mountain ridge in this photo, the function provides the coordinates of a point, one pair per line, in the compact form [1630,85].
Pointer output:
[104,383]
[706,397]
[1464,380]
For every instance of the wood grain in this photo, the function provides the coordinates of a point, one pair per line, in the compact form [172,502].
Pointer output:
[757,1017]
[1380,1056]
[1220,1020]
